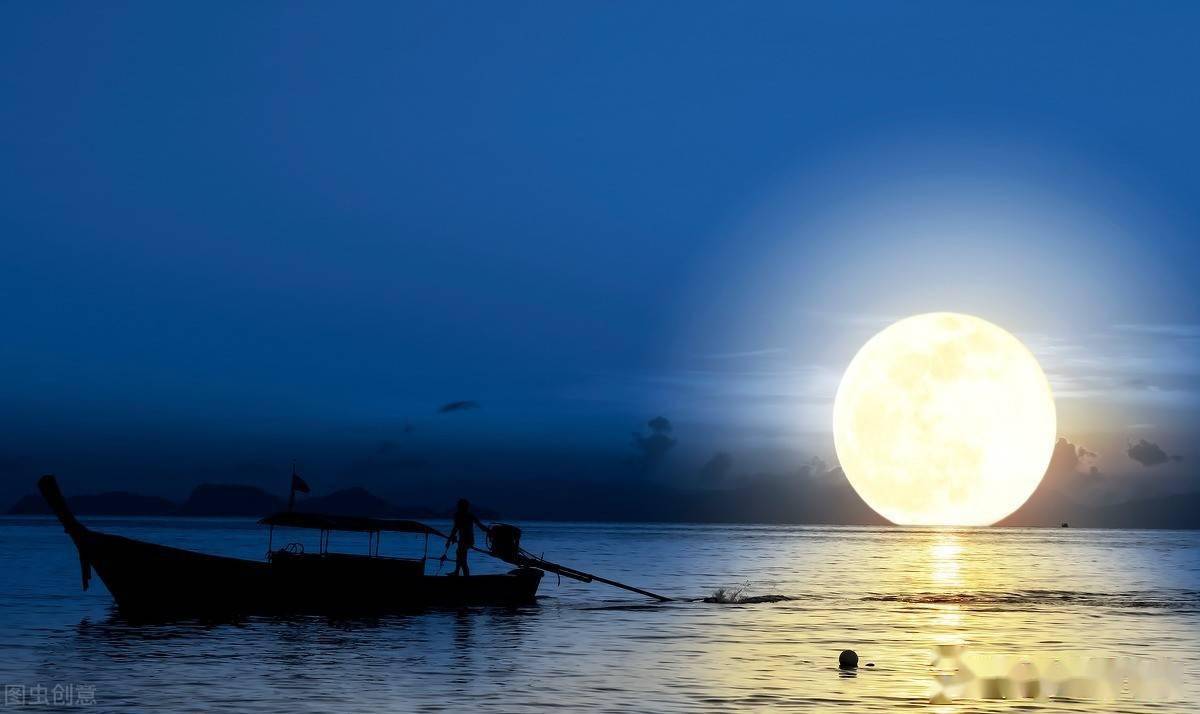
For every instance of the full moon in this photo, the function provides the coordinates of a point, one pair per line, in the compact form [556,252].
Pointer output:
[944,419]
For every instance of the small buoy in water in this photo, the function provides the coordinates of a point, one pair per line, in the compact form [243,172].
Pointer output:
[848,659]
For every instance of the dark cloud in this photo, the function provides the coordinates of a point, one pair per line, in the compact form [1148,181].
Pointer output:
[717,468]
[1147,453]
[462,406]
[1073,474]
[655,445]
[812,473]
[1068,457]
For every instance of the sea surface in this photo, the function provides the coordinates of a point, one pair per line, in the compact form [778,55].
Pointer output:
[951,620]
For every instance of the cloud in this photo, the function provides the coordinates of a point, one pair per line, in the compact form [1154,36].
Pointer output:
[462,406]
[1072,472]
[655,445]
[816,468]
[1179,330]
[1147,453]
[1068,457]
[1155,365]
[717,468]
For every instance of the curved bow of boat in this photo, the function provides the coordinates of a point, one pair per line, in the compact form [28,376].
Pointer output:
[48,486]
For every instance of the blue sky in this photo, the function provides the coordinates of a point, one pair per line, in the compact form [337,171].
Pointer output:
[234,233]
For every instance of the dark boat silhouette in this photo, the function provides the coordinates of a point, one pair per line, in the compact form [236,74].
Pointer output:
[148,580]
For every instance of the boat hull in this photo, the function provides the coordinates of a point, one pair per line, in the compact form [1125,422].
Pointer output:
[148,580]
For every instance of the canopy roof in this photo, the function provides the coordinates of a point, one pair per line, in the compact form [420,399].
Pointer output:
[326,522]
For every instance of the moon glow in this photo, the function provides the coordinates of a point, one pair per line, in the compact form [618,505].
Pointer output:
[944,419]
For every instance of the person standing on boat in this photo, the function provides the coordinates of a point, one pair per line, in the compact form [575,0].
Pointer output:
[464,532]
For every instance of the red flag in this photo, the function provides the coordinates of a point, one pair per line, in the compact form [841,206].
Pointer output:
[298,484]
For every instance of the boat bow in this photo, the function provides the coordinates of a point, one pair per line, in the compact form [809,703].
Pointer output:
[48,486]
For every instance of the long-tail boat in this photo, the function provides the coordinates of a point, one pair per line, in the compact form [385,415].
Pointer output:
[152,581]
[148,580]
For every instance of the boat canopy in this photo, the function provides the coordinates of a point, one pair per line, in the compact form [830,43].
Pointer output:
[360,524]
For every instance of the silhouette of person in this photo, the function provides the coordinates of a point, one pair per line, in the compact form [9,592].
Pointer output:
[464,532]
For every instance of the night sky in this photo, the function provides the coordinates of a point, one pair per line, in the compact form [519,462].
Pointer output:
[235,235]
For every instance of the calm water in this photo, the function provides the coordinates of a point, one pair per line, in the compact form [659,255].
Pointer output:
[894,595]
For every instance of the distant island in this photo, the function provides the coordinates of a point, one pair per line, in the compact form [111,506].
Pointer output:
[766,501]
